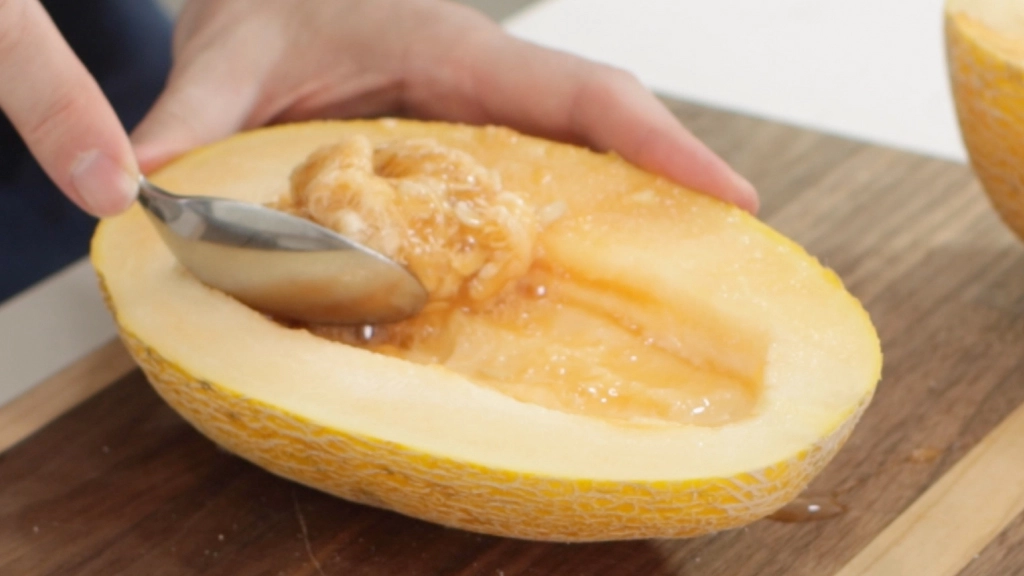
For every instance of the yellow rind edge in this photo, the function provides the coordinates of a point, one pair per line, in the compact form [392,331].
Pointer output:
[463,495]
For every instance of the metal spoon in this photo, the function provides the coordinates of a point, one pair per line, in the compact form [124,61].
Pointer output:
[280,264]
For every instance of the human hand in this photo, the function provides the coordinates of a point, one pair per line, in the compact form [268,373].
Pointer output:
[241,64]
[61,113]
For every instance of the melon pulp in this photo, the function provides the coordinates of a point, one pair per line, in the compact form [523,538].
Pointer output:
[985,57]
[501,310]
[673,300]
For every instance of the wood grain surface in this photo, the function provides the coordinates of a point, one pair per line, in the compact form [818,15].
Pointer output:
[121,485]
[61,392]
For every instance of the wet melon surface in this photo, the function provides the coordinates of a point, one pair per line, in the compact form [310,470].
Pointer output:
[660,364]
[503,311]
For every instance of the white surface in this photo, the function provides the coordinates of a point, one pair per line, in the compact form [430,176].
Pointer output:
[873,70]
[50,326]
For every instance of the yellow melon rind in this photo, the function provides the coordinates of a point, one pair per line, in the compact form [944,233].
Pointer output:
[471,497]
[988,90]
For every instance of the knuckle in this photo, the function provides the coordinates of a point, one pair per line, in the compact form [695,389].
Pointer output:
[615,79]
[606,110]
[56,113]
[600,89]
[606,84]
[619,75]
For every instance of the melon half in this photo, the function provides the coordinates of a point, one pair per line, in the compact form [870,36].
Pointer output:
[985,57]
[674,368]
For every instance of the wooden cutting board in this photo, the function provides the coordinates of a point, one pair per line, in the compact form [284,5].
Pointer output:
[930,482]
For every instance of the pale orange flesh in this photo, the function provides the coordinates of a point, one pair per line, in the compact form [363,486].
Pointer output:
[500,312]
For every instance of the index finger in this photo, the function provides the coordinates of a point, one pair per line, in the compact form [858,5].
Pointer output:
[59,110]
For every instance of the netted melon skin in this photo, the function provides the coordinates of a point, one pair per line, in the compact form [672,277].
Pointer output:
[476,498]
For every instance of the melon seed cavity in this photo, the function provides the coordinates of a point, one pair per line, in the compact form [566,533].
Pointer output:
[499,312]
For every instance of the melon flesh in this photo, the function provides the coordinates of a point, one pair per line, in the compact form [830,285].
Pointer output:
[499,434]
[504,312]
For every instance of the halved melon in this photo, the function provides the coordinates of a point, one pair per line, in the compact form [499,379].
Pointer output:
[985,57]
[667,367]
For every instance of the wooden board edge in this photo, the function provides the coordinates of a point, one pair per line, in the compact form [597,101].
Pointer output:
[61,392]
[961,513]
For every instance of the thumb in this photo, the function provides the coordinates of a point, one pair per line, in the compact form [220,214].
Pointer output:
[204,101]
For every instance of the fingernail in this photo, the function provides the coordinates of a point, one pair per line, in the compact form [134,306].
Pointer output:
[104,186]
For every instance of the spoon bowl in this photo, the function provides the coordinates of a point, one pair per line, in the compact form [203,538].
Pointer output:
[281,264]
